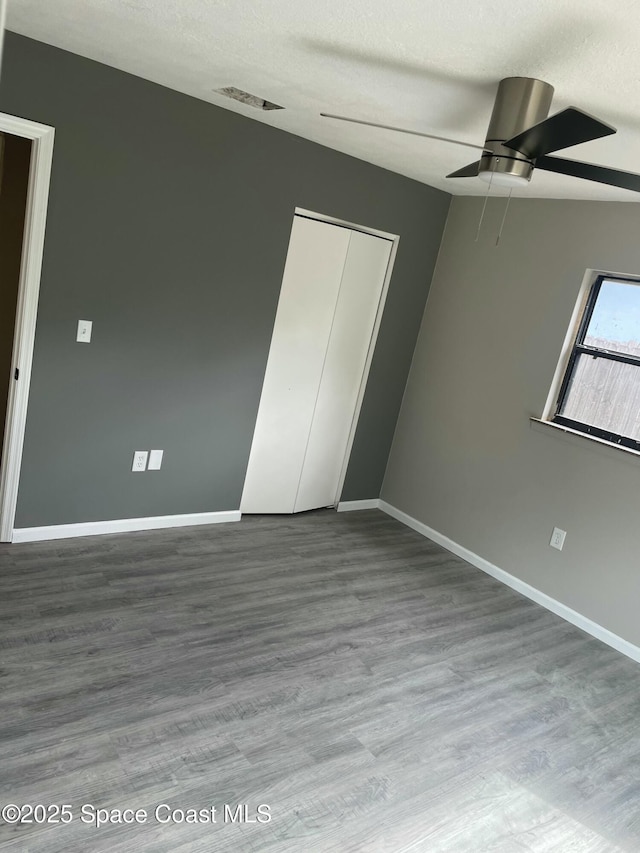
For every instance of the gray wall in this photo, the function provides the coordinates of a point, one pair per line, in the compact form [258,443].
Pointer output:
[13,200]
[466,461]
[168,227]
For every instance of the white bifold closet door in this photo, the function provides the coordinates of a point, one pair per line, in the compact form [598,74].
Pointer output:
[331,290]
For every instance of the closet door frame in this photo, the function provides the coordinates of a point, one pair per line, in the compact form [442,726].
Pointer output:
[394,239]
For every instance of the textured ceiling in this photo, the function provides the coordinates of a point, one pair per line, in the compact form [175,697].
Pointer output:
[432,67]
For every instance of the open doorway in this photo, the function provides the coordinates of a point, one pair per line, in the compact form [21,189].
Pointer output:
[33,142]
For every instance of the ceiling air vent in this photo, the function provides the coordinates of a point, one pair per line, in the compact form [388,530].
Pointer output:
[248,99]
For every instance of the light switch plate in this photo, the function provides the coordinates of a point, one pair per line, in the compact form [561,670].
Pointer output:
[140,460]
[83,335]
[155,460]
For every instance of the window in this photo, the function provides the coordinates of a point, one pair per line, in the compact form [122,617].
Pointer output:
[600,392]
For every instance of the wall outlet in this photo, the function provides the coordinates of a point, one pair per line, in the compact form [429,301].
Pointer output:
[83,334]
[557,538]
[140,460]
[155,460]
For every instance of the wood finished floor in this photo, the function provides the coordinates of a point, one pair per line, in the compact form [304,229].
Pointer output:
[375,691]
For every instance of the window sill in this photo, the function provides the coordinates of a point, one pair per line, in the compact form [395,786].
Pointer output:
[589,441]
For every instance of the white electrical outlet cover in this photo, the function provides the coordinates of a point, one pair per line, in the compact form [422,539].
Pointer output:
[83,335]
[155,460]
[140,460]
[557,538]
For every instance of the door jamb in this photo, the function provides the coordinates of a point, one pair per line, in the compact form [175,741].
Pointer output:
[41,137]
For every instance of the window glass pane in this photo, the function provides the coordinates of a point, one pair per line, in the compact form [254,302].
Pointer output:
[605,394]
[615,322]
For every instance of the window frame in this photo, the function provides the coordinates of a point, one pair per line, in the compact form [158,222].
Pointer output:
[578,347]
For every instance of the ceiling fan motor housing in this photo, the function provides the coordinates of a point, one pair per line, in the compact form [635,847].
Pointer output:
[520,103]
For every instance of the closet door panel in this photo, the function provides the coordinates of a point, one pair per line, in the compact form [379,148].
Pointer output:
[311,281]
[349,341]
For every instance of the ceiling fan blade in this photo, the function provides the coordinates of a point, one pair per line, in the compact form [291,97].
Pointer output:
[590,172]
[403,130]
[470,171]
[569,127]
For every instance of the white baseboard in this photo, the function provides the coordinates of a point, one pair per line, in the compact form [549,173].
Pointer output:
[348,506]
[122,525]
[577,619]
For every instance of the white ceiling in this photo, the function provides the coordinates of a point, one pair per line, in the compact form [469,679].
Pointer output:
[417,64]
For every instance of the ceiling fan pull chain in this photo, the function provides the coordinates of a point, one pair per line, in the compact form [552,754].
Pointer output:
[484,207]
[504,217]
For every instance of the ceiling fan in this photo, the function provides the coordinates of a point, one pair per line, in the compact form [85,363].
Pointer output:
[521,135]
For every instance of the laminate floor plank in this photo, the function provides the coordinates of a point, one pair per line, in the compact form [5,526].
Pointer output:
[376,692]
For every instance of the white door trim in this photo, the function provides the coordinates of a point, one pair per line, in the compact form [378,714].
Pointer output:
[3,18]
[394,239]
[352,226]
[27,306]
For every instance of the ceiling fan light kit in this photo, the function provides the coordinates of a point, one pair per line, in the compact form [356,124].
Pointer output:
[496,175]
